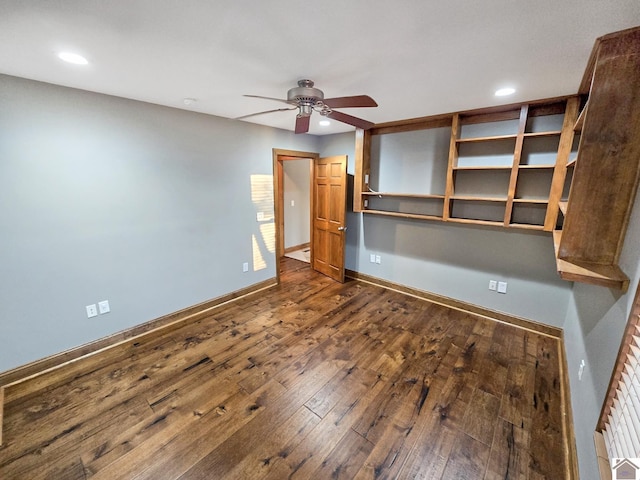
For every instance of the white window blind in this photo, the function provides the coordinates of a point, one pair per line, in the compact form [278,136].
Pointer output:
[619,422]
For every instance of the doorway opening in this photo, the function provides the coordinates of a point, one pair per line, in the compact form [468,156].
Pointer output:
[293,202]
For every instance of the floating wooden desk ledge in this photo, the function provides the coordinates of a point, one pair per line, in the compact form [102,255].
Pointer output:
[610,276]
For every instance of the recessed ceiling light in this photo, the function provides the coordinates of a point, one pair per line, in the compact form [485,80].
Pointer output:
[324,123]
[503,92]
[73,58]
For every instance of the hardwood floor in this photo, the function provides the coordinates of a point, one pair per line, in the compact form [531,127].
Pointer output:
[310,379]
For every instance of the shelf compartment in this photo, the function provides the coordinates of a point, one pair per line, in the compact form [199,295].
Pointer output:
[540,150]
[481,131]
[485,209]
[534,184]
[481,183]
[610,276]
[528,214]
[498,153]
[414,161]
[544,124]
[423,206]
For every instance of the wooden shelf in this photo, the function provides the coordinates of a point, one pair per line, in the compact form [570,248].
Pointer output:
[537,167]
[526,226]
[486,139]
[472,198]
[403,195]
[563,207]
[484,167]
[540,201]
[476,222]
[543,134]
[610,276]
[403,215]
[580,122]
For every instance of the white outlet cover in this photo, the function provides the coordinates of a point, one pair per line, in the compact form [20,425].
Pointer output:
[372,258]
[502,287]
[245,267]
[92,311]
[260,216]
[103,307]
[493,285]
[378,259]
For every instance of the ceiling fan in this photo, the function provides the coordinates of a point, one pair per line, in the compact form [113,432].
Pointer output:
[307,99]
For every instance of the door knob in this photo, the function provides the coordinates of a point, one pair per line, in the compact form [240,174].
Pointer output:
[342,229]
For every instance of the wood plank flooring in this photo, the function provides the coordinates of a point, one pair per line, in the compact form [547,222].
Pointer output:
[310,379]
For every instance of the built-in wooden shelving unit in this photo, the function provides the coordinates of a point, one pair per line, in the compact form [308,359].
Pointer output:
[501,166]
[566,165]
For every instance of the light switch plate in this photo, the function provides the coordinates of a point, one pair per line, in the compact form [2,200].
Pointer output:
[502,287]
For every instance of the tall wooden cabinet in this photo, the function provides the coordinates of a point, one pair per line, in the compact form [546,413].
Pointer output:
[567,165]
[606,173]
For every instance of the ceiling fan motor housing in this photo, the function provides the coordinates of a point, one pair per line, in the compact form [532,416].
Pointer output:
[304,95]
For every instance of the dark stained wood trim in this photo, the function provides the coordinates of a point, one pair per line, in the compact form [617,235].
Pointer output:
[500,112]
[536,327]
[571,452]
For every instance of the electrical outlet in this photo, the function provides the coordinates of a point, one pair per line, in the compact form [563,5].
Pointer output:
[245,267]
[493,285]
[103,307]
[502,287]
[92,311]
[372,258]
[378,259]
[581,370]
[260,216]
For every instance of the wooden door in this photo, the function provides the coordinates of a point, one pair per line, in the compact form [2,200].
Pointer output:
[329,216]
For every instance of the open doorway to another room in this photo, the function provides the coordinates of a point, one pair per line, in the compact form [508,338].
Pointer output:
[293,222]
[297,208]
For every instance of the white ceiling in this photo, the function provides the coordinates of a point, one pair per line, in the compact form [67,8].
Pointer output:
[414,57]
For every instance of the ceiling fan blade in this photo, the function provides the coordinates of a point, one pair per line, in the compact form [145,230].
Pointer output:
[348,119]
[268,111]
[346,102]
[269,98]
[302,124]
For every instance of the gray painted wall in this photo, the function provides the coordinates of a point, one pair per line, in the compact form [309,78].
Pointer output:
[297,222]
[102,198]
[155,210]
[594,326]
